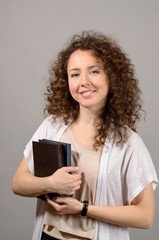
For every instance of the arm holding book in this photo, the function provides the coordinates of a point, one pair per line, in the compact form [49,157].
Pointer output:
[26,184]
[139,214]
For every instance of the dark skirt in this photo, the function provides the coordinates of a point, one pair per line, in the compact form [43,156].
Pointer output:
[47,237]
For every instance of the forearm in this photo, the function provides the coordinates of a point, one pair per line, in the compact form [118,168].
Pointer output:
[29,186]
[129,216]
[138,215]
[26,184]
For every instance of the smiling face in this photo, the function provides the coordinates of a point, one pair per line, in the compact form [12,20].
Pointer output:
[87,79]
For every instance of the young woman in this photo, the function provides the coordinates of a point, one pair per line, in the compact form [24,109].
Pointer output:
[93,103]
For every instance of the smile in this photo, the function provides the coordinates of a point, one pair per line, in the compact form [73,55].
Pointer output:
[87,93]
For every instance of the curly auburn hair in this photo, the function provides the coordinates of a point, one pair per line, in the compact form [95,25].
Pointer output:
[123,103]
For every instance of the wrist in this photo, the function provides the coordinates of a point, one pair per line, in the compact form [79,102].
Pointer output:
[48,185]
[79,208]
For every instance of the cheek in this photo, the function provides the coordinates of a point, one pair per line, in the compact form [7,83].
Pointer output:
[101,83]
[69,85]
[72,86]
[106,88]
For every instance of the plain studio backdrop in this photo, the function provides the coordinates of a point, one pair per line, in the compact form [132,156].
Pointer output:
[32,33]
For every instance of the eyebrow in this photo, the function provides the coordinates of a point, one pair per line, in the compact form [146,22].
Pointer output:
[77,69]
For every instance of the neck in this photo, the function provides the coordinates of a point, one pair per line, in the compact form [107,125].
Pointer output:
[88,117]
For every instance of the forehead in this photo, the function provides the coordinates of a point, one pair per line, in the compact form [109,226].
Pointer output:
[80,57]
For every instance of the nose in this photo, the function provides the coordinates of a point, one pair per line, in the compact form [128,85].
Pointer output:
[85,81]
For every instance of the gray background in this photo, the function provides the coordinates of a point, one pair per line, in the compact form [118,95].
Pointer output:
[32,32]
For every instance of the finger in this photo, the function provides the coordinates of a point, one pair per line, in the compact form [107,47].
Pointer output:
[71,193]
[77,182]
[71,169]
[46,197]
[77,176]
[52,203]
[76,187]
[60,200]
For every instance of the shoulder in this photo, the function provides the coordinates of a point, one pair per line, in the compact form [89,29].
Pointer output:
[132,143]
[52,121]
[53,125]
[136,146]
[134,138]
[49,125]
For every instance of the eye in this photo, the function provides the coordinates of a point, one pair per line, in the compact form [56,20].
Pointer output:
[74,75]
[94,72]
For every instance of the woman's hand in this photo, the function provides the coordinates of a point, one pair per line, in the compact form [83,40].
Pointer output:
[139,214]
[63,182]
[26,184]
[65,205]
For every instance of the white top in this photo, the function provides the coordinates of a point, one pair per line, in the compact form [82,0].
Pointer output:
[123,174]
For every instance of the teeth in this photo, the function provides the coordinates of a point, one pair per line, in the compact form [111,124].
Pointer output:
[87,93]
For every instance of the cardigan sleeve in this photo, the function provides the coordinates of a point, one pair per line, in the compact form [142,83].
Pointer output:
[140,170]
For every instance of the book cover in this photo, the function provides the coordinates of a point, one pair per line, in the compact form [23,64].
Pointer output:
[49,156]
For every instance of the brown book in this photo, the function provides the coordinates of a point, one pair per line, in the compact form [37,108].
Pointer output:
[48,157]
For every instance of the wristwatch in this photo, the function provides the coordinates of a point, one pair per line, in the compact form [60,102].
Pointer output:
[85,208]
